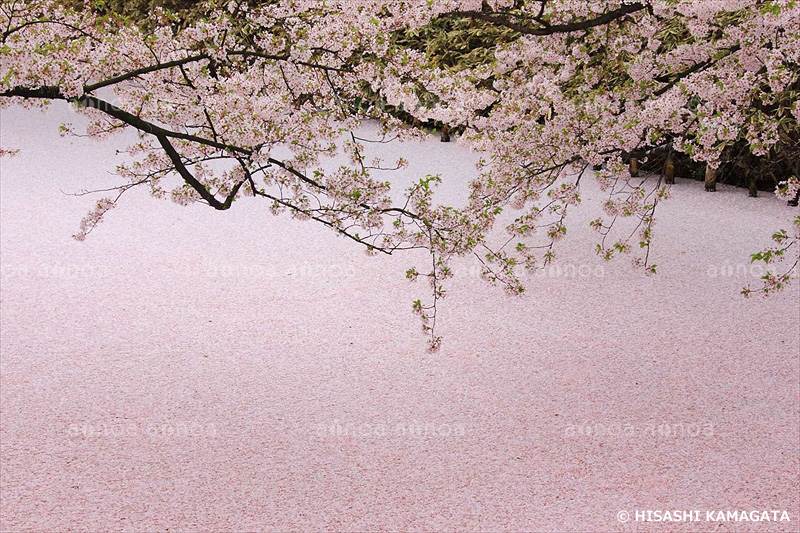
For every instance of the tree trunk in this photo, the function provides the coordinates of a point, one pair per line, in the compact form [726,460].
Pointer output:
[445,134]
[669,170]
[634,167]
[751,186]
[794,202]
[711,178]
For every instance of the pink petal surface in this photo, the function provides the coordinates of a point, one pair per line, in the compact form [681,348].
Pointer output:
[190,370]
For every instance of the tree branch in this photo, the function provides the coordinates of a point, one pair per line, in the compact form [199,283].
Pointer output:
[503,20]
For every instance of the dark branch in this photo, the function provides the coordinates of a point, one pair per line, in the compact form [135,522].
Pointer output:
[500,19]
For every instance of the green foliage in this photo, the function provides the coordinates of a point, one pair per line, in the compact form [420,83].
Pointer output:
[456,43]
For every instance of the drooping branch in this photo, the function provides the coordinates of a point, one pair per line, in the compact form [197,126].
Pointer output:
[54,93]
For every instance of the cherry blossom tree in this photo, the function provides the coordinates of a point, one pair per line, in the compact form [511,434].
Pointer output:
[252,98]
